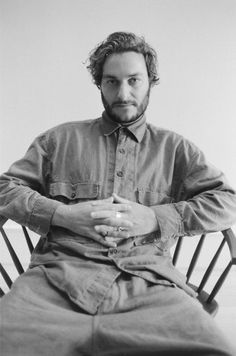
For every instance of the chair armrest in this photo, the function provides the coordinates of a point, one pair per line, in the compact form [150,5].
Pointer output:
[2,220]
[231,241]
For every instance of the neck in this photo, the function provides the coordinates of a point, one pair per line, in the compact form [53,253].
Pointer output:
[126,124]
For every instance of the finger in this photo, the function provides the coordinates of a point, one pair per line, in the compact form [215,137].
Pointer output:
[100,239]
[104,230]
[102,201]
[110,231]
[102,214]
[108,212]
[113,239]
[121,207]
[110,220]
[118,222]
[112,207]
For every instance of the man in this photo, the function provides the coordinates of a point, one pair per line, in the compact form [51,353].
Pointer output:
[110,197]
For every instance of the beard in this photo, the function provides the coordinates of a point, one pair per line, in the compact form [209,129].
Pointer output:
[140,109]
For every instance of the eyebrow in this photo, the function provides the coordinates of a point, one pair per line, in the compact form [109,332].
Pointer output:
[130,75]
[108,76]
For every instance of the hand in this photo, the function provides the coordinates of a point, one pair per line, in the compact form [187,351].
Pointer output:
[78,218]
[142,218]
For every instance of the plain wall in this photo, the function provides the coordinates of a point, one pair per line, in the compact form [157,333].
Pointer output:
[44,80]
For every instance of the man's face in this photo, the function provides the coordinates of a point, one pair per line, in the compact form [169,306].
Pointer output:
[125,86]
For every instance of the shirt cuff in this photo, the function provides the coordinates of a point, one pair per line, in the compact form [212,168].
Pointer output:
[42,213]
[169,221]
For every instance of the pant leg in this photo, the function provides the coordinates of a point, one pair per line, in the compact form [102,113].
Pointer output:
[37,320]
[135,319]
[155,320]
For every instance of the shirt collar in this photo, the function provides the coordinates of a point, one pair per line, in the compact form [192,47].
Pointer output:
[137,128]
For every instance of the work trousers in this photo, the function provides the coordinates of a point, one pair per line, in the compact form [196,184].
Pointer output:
[135,318]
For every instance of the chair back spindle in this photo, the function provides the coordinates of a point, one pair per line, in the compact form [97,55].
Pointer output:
[195,257]
[206,299]
[11,250]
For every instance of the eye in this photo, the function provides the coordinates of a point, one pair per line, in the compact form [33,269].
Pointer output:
[134,81]
[112,82]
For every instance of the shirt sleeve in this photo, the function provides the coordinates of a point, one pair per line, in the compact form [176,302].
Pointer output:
[23,189]
[203,199]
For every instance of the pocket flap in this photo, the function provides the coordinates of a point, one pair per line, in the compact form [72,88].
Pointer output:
[150,198]
[74,191]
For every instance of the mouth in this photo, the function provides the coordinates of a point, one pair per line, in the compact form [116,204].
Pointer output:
[123,105]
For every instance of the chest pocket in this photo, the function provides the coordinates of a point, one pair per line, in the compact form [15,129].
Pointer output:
[150,198]
[73,193]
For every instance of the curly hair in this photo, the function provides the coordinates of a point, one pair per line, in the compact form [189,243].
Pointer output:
[119,42]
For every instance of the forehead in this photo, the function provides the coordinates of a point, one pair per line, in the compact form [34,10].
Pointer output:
[125,64]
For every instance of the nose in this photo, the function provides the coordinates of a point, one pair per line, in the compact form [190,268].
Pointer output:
[123,92]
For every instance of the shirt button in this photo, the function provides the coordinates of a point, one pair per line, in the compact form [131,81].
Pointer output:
[120,174]
[73,195]
[122,150]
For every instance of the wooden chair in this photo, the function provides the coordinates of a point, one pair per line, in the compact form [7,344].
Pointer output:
[14,257]
[206,298]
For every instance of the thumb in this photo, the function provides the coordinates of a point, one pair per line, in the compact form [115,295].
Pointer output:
[109,200]
[118,199]
[100,202]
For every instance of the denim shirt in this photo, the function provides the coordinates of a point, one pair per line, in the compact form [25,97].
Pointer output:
[87,160]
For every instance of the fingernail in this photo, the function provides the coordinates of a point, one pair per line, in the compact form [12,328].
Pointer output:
[111,243]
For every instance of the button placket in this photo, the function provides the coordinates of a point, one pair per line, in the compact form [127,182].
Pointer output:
[73,193]
[124,166]
[120,173]
[120,153]
[112,252]
[122,150]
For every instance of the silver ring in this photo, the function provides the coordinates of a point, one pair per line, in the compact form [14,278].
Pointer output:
[105,233]
[119,228]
